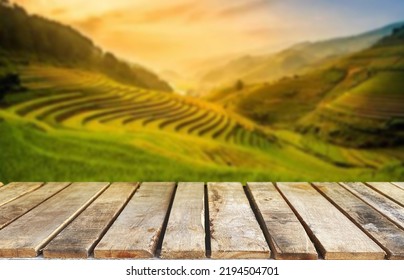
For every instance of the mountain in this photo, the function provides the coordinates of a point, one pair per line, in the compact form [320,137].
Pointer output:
[356,102]
[367,108]
[25,38]
[297,59]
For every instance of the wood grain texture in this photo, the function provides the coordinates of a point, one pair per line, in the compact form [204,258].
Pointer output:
[382,230]
[378,201]
[399,184]
[235,232]
[284,231]
[78,239]
[18,207]
[389,190]
[136,231]
[334,234]
[26,236]
[13,191]
[185,234]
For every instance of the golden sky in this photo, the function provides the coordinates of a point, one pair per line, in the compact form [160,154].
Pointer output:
[167,34]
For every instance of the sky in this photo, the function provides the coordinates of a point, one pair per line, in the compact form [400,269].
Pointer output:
[173,34]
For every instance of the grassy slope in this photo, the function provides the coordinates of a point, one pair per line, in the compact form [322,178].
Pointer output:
[60,155]
[356,102]
[39,149]
[284,102]
[365,110]
[35,156]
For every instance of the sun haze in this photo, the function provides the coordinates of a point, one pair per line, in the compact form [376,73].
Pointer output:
[170,34]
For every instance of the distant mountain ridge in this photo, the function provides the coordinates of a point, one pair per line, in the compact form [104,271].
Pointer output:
[294,60]
[27,37]
[357,101]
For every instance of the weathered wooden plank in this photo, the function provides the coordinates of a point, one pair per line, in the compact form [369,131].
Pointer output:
[285,233]
[377,226]
[26,236]
[389,190]
[234,230]
[136,231]
[78,239]
[335,235]
[399,184]
[12,191]
[13,210]
[378,201]
[185,233]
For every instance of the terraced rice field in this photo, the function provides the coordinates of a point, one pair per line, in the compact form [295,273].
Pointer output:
[77,125]
[379,98]
[79,100]
[367,114]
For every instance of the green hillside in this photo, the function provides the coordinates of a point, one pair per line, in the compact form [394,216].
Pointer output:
[365,110]
[28,38]
[358,102]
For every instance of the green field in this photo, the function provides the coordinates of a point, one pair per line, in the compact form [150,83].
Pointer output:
[76,125]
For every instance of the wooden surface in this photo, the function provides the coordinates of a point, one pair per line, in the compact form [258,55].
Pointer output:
[136,232]
[18,207]
[15,190]
[334,234]
[389,190]
[185,234]
[389,208]
[79,238]
[382,230]
[399,184]
[286,235]
[192,220]
[29,234]
[234,231]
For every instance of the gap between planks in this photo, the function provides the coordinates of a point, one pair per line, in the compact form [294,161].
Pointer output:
[23,204]
[399,184]
[208,246]
[15,190]
[389,190]
[165,223]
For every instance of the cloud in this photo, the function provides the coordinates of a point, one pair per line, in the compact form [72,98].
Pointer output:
[247,7]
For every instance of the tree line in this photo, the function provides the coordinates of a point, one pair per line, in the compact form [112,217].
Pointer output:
[33,37]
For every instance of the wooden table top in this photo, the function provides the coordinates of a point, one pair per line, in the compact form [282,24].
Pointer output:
[199,220]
